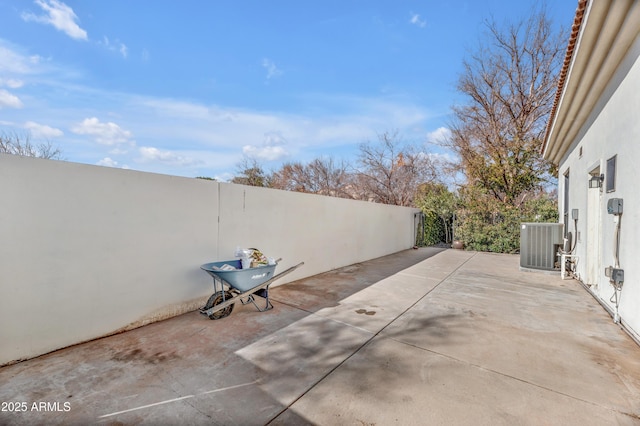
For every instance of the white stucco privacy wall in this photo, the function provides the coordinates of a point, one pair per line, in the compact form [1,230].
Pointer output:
[87,251]
[324,232]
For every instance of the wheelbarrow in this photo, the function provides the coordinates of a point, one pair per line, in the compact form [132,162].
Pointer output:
[241,285]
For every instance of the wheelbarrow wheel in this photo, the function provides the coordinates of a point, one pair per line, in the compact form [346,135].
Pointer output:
[217,299]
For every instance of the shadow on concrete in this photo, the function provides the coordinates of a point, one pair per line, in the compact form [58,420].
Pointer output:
[195,365]
[314,351]
[329,288]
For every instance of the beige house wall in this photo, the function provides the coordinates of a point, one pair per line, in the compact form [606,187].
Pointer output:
[612,130]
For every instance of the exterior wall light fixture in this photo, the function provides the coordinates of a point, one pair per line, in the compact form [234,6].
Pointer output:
[596,181]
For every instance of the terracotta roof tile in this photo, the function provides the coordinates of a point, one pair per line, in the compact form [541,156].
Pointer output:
[571,45]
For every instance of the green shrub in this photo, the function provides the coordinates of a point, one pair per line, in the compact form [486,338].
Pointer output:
[431,231]
[499,230]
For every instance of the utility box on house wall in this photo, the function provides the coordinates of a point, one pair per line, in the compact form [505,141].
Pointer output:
[540,244]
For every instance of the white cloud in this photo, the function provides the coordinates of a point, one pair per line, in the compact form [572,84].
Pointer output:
[416,20]
[116,46]
[184,131]
[267,153]
[151,154]
[224,177]
[439,157]
[60,16]
[8,100]
[345,120]
[272,69]
[118,151]
[12,62]
[272,148]
[441,134]
[108,162]
[11,83]
[18,72]
[103,133]
[42,131]
[177,109]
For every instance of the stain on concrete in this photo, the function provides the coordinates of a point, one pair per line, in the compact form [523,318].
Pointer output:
[139,355]
[349,269]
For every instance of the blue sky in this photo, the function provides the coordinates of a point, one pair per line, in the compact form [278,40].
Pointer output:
[190,87]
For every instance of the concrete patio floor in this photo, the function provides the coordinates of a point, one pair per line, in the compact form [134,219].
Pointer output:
[422,337]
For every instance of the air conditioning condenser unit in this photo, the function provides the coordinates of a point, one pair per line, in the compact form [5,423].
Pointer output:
[540,244]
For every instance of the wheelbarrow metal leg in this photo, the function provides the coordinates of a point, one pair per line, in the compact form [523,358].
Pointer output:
[264,293]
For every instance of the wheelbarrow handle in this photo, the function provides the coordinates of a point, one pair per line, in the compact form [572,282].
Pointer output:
[285,272]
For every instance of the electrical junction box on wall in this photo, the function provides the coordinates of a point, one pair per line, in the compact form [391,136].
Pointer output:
[614,206]
[615,274]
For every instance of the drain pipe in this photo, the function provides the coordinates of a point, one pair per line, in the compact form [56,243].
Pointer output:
[617,283]
[615,273]
[566,254]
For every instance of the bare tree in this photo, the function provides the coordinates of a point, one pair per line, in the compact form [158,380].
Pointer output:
[290,177]
[392,171]
[17,144]
[509,84]
[250,173]
[320,176]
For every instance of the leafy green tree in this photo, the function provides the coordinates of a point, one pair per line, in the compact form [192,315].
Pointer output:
[486,224]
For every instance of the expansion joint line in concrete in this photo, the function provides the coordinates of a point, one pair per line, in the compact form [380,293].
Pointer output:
[366,342]
[181,398]
[509,376]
